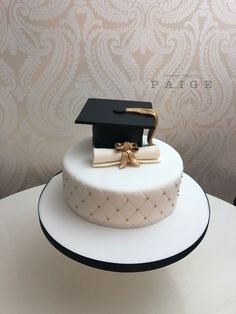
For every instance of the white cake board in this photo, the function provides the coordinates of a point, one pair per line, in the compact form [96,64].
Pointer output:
[125,250]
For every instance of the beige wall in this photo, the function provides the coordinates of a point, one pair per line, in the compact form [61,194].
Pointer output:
[56,54]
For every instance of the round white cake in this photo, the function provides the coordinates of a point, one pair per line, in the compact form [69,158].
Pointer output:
[123,198]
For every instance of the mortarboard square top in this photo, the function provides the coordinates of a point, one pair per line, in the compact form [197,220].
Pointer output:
[111,124]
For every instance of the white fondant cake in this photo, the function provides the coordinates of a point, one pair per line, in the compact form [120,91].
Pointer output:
[124,198]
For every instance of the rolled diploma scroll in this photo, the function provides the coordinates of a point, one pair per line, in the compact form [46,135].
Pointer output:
[105,157]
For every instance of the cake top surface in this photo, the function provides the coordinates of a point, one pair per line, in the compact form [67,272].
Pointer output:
[77,162]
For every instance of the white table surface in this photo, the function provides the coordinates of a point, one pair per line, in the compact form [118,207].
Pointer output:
[36,278]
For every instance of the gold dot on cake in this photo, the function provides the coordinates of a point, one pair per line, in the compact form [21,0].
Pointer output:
[108,218]
[91,214]
[82,201]
[155,205]
[145,218]
[169,199]
[172,205]
[76,206]
[137,209]
[98,206]
[108,198]
[164,193]
[127,219]
[67,197]
[90,193]
[117,210]
[76,187]
[161,212]
[71,193]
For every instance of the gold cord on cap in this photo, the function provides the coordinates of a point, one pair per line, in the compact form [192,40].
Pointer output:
[146,112]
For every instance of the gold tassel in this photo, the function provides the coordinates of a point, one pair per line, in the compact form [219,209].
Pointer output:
[147,112]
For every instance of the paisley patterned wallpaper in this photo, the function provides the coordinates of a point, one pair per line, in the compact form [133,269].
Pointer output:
[178,54]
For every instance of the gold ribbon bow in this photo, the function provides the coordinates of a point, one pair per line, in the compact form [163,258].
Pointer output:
[128,157]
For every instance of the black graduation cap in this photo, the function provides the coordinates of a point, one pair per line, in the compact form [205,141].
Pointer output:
[113,123]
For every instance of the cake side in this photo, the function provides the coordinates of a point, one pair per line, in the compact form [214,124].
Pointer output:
[123,198]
